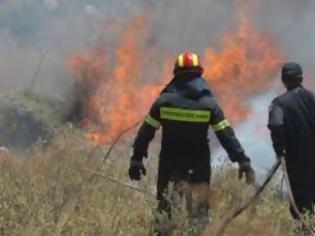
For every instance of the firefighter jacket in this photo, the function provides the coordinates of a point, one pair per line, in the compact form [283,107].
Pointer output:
[184,110]
[292,125]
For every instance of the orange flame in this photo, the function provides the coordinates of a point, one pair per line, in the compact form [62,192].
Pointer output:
[246,66]
[123,97]
[122,94]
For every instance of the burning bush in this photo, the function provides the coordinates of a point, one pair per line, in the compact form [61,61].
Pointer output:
[27,119]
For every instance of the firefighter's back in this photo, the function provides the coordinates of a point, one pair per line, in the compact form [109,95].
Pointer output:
[299,111]
[185,124]
[299,115]
[185,112]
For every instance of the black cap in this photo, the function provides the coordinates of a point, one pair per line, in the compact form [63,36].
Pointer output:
[292,73]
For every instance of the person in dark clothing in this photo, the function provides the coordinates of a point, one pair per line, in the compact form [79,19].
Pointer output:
[292,126]
[184,110]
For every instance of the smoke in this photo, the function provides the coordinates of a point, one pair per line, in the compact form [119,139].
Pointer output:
[181,25]
[195,25]
[61,28]
[35,46]
[37,37]
[291,24]
[51,4]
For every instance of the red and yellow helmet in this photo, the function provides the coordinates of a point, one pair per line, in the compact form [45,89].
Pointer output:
[187,62]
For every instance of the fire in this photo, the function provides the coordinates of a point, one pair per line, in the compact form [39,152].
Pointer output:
[247,65]
[124,96]
[119,93]
[88,70]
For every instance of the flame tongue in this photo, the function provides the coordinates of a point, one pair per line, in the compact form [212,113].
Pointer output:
[124,96]
[246,66]
[117,96]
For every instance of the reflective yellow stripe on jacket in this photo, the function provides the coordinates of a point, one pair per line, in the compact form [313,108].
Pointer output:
[153,122]
[221,125]
[185,115]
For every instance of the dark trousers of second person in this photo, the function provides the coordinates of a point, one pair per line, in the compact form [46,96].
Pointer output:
[304,196]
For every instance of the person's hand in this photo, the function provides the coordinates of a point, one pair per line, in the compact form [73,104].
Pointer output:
[136,170]
[246,170]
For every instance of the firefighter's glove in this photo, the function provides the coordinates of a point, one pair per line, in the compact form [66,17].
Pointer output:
[136,170]
[246,170]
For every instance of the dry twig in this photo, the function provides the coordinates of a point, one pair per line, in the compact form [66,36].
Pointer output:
[41,58]
[237,211]
[119,136]
[125,185]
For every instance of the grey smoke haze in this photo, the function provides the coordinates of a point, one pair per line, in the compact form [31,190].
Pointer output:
[48,31]
[53,29]
[29,28]
[291,23]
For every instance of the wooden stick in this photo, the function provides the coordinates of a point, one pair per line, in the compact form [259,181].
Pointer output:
[119,136]
[237,211]
[111,179]
[41,58]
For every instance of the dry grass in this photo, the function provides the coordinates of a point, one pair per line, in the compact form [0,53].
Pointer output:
[51,192]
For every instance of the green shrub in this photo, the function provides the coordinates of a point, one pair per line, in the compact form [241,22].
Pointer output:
[27,118]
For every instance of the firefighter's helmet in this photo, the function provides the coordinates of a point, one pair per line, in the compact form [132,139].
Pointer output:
[188,62]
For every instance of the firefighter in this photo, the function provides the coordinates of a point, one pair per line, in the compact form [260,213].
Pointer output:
[292,126]
[184,110]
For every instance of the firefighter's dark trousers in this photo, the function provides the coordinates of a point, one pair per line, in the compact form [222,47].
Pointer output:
[185,181]
[304,195]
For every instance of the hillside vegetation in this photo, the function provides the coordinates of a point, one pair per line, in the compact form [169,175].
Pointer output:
[27,118]
[63,190]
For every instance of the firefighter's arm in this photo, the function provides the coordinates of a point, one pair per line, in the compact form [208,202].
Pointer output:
[277,129]
[146,133]
[226,135]
[228,140]
[144,137]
